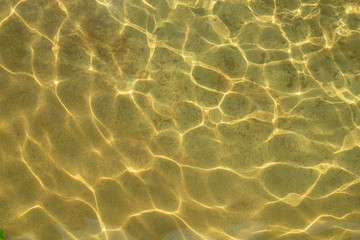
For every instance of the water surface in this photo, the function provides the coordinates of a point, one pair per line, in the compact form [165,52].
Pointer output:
[180,119]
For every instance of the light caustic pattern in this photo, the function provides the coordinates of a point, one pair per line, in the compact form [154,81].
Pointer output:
[180,119]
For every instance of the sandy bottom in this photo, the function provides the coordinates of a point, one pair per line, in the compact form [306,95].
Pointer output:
[180,119]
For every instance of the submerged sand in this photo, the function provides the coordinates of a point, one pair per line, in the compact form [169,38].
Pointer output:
[180,119]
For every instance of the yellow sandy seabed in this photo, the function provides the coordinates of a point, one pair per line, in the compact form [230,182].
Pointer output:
[180,119]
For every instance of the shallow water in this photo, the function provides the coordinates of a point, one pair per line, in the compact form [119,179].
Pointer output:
[180,119]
